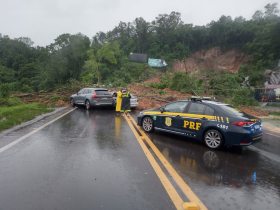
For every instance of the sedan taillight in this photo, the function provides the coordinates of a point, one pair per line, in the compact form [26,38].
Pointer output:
[243,123]
[93,95]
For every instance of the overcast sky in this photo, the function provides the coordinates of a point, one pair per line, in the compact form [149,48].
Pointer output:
[44,20]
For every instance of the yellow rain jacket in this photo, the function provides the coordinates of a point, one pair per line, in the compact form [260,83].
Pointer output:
[119,101]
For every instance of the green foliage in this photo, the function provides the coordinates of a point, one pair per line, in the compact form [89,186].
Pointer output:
[6,74]
[255,72]
[275,113]
[10,101]
[129,73]
[104,58]
[4,90]
[91,72]
[13,115]
[159,85]
[243,96]
[222,83]
[185,83]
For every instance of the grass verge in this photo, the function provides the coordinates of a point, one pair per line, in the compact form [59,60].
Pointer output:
[275,113]
[14,115]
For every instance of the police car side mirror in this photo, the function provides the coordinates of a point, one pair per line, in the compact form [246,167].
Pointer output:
[162,109]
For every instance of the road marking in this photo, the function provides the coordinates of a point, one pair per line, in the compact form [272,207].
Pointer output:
[272,135]
[271,128]
[83,132]
[8,146]
[177,178]
[174,196]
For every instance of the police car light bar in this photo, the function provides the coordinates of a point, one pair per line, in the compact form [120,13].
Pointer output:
[207,98]
[196,98]
[199,98]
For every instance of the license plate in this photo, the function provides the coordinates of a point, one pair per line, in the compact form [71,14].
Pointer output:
[257,127]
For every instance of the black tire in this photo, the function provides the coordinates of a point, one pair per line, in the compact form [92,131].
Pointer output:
[148,124]
[213,139]
[72,102]
[87,104]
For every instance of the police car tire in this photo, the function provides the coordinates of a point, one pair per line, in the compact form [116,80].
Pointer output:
[87,104]
[213,139]
[148,124]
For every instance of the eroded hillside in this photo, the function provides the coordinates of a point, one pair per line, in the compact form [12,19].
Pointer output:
[212,59]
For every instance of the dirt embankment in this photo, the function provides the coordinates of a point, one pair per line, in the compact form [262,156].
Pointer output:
[150,97]
[212,59]
[147,97]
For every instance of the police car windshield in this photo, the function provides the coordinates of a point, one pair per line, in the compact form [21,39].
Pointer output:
[231,111]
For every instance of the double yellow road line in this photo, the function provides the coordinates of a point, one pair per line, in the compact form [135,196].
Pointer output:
[194,202]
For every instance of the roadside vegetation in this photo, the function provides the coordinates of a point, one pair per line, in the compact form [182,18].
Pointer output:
[75,60]
[14,111]
[16,114]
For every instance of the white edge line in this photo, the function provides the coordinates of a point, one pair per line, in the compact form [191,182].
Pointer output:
[272,135]
[8,146]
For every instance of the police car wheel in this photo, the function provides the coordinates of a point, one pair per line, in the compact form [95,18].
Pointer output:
[213,139]
[87,105]
[148,124]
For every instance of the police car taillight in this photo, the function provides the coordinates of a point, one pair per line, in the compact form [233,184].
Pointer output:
[243,123]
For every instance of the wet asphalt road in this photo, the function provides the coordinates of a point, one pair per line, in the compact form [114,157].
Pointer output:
[86,160]
[91,160]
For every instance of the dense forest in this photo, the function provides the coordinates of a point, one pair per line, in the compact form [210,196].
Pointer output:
[103,59]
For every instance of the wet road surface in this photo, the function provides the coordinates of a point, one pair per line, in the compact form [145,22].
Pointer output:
[233,178]
[228,179]
[91,160]
[86,160]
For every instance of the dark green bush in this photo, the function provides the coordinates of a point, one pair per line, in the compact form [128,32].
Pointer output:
[5,90]
[185,83]
[10,101]
[243,96]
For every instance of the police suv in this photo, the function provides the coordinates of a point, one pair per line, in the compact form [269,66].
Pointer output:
[216,124]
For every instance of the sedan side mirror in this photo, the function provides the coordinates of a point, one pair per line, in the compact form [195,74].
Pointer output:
[162,109]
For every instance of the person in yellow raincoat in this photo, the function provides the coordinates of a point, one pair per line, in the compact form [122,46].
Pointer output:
[119,101]
[125,107]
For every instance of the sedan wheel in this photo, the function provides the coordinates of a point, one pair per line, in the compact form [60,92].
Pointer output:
[87,105]
[72,102]
[213,139]
[148,124]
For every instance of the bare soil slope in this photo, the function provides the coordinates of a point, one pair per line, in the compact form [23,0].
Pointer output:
[212,59]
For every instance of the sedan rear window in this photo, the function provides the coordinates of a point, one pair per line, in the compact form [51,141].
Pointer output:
[102,92]
[231,111]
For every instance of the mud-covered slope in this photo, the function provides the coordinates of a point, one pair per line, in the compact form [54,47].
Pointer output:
[212,59]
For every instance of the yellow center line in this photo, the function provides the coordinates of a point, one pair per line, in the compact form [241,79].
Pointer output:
[174,196]
[173,173]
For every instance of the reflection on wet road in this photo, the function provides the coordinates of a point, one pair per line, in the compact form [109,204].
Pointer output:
[91,160]
[86,160]
[228,179]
